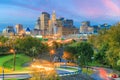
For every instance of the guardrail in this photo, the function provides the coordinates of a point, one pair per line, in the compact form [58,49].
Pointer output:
[71,73]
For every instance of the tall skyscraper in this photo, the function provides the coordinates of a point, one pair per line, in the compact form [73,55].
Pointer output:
[44,22]
[57,27]
[50,27]
[38,25]
[54,24]
[53,17]
[19,28]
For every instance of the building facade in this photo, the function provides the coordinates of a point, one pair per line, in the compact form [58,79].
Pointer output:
[85,28]
[8,31]
[55,27]
[44,23]
[19,28]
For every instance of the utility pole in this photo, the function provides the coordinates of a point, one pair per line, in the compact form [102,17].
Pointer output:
[3,73]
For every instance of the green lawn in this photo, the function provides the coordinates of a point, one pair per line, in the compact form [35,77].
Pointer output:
[3,59]
[7,61]
[87,71]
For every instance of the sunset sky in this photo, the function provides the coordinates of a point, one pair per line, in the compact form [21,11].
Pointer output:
[27,11]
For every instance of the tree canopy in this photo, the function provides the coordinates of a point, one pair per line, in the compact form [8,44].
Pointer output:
[107,44]
[81,51]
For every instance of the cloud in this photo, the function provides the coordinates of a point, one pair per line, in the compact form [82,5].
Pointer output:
[113,8]
[89,8]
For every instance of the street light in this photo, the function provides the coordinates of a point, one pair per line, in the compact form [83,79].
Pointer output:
[14,59]
[0,43]
[33,49]
[3,73]
[92,59]
[51,53]
[78,60]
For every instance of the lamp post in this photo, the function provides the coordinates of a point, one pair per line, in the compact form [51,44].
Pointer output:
[0,44]
[78,60]
[51,53]
[3,73]
[92,59]
[33,49]
[14,58]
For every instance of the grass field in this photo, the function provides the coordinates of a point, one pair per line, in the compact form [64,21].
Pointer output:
[7,62]
[87,71]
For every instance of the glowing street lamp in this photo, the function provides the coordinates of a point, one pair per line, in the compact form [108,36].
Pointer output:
[14,59]
[51,53]
[0,44]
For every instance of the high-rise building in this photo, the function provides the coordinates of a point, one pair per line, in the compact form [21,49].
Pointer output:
[66,27]
[53,24]
[68,23]
[50,27]
[60,22]
[38,26]
[9,30]
[53,17]
[44,22]
[19,28]
[85,23]
[85,27]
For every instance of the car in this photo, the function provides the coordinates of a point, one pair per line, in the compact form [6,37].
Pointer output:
[113,75]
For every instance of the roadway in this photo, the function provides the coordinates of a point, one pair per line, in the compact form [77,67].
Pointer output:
[102,74]
[15,76]
[26,75]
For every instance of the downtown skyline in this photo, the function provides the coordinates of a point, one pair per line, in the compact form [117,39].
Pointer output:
[26,12]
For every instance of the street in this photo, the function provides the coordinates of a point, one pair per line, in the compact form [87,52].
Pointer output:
[16,76]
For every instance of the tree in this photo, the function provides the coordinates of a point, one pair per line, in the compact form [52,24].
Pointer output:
[27,44]
[118,62]
[3,47]
[85,52]
[3,39]
[72,49]
[107,43]
[100,55]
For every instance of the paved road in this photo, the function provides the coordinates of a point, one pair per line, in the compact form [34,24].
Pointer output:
[16,76]
[25,76]
[101,74]
[61,72]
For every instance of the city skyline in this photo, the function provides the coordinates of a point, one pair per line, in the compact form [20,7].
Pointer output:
[26,12]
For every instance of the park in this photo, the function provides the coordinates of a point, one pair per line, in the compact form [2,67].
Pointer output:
[30,57]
